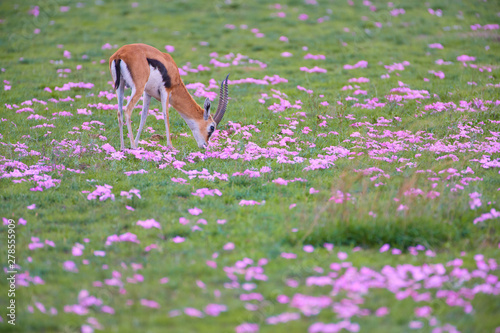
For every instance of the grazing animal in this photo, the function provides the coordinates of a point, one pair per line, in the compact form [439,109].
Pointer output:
[152,73]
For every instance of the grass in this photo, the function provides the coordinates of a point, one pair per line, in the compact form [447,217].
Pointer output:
[373,216]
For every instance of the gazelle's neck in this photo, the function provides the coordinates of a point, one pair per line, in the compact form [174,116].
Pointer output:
[184,103]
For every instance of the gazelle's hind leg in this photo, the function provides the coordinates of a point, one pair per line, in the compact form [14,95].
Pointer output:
[146,98]
[136,95]
[136,82]
[120,94]
[164,103]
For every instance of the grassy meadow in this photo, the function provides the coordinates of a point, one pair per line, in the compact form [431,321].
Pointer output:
[353,184]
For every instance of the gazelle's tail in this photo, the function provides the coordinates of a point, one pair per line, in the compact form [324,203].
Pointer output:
[118,73]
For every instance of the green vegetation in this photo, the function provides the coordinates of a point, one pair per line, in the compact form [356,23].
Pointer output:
[403,173]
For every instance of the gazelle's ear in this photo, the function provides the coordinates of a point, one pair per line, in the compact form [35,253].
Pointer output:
[206,106]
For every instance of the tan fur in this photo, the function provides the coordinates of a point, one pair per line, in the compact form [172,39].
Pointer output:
[135,56]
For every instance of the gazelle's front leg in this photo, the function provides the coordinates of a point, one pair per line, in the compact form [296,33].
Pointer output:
[146,98]
[164,104]
[119,94]
[136,95]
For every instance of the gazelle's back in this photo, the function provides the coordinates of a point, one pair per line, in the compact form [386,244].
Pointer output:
[138,54]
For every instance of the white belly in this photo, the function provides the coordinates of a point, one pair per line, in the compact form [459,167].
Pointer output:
[155,84]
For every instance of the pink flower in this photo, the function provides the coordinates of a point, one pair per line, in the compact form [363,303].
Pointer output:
[228,246]
[342,255]
[315,57]
[126,237]
[415,324]
[385,248]
[464,58]
[164,280]
[435,46]
[288,255]
[149,303]
[99,253]
[77,250]
[35,11]
[282,299]
[303,17]
[380,312]
[70,266]
[169,48]
[211,263]
[286,54]
[148,224]
[313,191]
[178,239]
[247,328]
[107,309]
[31,207]
[402,207]
[424,311]
[308,248]
[192,312]
[195,211]
[359,64]
[396,252]
[315,69]
[86,329]
[251,202]
[439,74]
[215,309]
[475,200]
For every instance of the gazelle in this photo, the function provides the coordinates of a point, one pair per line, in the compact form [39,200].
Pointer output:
[152,73]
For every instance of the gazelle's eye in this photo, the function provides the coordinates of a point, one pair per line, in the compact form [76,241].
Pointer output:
[212,128]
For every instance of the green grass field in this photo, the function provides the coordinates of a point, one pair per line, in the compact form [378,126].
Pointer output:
[353,184]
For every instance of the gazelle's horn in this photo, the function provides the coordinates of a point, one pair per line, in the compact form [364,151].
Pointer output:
[223,98]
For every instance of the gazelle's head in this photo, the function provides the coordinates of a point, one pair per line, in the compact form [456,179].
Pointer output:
[207,126]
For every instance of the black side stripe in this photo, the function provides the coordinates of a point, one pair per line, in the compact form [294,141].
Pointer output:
[118,73]
[163,71]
